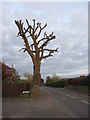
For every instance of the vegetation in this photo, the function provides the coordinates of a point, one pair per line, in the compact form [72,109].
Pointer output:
[79,84]
[55,81]
[29,78]
[16,76]
[82,80]
[35,47]
[80,88]
[42,82]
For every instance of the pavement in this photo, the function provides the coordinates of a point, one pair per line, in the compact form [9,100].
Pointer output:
[53,103]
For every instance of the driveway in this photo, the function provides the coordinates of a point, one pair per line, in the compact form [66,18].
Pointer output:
[53,103]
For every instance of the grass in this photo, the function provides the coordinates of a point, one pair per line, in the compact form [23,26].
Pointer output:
[25,97]
[80,88]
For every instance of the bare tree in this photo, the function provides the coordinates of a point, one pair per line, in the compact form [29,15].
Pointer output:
[36,48]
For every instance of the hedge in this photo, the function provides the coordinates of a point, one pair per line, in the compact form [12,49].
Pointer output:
[60,83]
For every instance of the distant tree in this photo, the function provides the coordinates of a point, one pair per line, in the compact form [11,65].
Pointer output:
[35,47]
[29,77]
[88,75]
[16,76]
[55,81]
[48,78]
[53,78]
[42,82]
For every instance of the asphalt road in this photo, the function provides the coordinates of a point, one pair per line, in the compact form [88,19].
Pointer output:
[53,103]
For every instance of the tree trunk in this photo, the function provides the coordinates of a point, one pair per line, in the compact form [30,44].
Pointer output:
[35,91]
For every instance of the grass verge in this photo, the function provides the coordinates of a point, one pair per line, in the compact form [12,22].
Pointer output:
[79,88]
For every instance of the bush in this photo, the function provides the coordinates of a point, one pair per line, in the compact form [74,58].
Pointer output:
[60,83]
[55,81]
[29,78]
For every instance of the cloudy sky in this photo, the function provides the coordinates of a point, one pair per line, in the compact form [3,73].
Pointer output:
[68,21]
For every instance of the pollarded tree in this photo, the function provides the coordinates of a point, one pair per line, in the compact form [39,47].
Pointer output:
[36,48]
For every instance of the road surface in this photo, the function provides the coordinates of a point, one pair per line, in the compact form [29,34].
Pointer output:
[53,103]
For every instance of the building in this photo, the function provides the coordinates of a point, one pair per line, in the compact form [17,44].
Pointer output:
[6,72]
[0,71]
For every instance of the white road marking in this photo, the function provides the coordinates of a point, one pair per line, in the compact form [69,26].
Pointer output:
[71,96]
[85,102]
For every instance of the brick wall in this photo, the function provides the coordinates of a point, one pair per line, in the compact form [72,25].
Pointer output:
[7,72]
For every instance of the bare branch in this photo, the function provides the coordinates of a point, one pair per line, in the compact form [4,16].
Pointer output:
[50,51]
[26,30]
[56,50]
[39,25]
[41,28]
[44,26]
[23,49]
[41,40]
[46,56]
[36,27]
[20,27]
[28,36]
[49,38]
[51,34]
[29,28]
[27,22]
[22,33]
[42,53]
[33,25]
[49,54]
[33,49]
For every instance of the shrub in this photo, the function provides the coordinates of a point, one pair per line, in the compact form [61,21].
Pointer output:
[55,81]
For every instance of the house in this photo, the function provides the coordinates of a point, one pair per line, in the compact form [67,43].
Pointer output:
[6,72]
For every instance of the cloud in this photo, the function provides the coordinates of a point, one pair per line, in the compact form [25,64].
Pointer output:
[69,23]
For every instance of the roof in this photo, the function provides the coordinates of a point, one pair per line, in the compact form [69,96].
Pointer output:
[5,66]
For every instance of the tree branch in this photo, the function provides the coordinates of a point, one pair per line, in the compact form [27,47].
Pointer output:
[20,27]
[22,33]
[49,54]
[56,50]
[41,28]
[49,38]
[41,40]
[42,53]
[29,28]
[33,25]
[23,49]
[33,49]
[50,50]
[46,56]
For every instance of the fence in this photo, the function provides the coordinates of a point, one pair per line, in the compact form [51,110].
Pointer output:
[14,89]
[78,81]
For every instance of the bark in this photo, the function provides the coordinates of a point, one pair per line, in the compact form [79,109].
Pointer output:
[36,79]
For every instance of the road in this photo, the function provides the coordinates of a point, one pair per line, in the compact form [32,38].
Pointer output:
[53,103]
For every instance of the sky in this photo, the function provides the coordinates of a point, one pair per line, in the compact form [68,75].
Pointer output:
[68,21]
